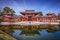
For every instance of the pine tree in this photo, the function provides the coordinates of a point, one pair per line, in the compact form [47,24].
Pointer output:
[40,14]
[7,10]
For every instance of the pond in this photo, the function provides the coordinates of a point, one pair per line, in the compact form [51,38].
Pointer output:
[29,33]
[42,34]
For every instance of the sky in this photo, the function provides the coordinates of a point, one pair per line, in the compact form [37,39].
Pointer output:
[44,6]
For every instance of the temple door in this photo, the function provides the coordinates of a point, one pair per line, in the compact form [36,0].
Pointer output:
[34,19]
[25,19]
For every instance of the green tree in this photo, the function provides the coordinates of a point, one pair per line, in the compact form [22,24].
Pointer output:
[59,16]
[40,14]
[7,10]
[0,13]
[0,17]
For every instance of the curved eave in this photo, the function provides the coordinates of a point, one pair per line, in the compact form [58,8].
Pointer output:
[23,13]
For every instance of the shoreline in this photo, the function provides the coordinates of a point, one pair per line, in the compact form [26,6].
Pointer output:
[29,23]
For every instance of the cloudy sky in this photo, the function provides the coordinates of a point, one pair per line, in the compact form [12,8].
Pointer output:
[44,6]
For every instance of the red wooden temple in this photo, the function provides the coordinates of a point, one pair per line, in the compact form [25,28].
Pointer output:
[30,15]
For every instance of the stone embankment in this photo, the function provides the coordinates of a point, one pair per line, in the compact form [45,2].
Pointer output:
[5,36]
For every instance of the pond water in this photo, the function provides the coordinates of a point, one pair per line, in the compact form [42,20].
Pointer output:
[43,34]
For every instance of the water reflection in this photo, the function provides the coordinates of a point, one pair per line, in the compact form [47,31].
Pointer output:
[51,32]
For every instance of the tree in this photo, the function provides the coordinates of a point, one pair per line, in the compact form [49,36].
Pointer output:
[40,14]
[7,10]
[59,16]
[0,16]
[0,13]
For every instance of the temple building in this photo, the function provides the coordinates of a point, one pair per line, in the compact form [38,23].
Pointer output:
[30,15]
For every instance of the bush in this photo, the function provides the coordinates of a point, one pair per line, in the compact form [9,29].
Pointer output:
[2,39]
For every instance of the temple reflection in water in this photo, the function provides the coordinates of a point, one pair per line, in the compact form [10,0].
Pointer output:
[33,32]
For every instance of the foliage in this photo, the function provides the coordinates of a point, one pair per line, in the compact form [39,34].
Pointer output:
[2,39]
[40,14]
[59,16]
[7,10]
[0,14]
[11,26]
[29,27]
